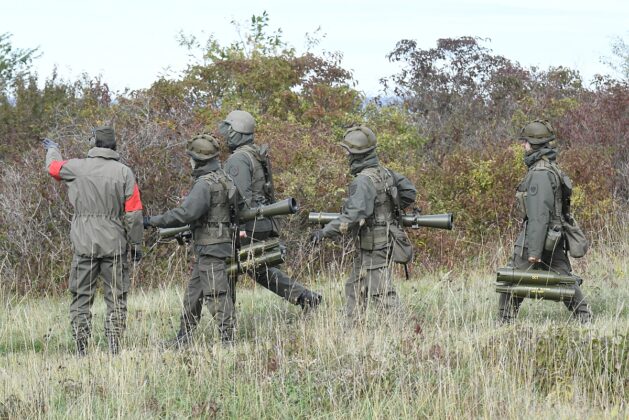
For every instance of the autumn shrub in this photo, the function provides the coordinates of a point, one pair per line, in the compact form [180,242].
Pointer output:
[449,129]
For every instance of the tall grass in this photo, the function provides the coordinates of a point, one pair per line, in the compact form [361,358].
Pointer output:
[444,357]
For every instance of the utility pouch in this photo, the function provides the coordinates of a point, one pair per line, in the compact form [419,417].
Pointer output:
[401,249]
[552,238]
[576,242]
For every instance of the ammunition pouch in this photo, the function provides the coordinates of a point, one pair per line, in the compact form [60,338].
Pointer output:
[401,248]
[553,237]
[212,233]
[374,237]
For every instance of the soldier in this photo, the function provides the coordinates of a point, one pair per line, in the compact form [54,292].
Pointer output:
[208,211]
[107,220]
[542,206]
[249,167]
[376,197]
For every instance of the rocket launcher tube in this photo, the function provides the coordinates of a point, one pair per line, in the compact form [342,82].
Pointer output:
[256,249]
[269,258]
[534,277]
[556,293]
[438,221]
[281,208]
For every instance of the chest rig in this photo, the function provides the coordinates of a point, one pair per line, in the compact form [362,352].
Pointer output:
[375,233]
[258,174]
[215,226]
[562,189]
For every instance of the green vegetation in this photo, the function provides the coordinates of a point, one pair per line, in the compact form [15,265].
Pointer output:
[448,126]
[446,357]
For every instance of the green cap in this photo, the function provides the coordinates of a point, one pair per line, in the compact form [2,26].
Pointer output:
[104,137]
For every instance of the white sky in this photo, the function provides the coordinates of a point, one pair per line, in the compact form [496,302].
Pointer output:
[131,42]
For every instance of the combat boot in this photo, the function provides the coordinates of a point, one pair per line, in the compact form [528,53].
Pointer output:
[81,347]
[309,300]
[182,340]
[227,338]
[114,345]
[583,317]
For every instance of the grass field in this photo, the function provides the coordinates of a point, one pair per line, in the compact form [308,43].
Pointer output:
[445,358]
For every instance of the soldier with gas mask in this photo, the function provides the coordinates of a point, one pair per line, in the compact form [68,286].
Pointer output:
[208,210]
[377,195]
[249,167]
[543,200]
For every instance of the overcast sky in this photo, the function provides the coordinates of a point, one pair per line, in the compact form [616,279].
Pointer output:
[131,42]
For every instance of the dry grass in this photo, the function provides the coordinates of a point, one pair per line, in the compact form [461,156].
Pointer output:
[445,358]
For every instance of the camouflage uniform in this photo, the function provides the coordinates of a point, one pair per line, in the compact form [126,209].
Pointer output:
[369,211]
[539,198]
[107,218]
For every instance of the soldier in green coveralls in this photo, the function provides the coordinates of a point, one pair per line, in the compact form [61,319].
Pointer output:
[107,222]
[542,207]
[208,211]
[376,197]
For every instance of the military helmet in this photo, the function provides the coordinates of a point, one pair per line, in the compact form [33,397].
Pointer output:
[203,147]
[359,140]
[241,121]
[537,132]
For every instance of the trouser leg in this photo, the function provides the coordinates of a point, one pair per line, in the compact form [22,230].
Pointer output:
[578,306]
[218,294]
[83,275]
[279,283]
[355,290]
[508,307]
[116,283]
[192,303]
[381,293]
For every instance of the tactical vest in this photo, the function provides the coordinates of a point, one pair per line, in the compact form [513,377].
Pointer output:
[522,190]
[375,233]
[215,226]
[258,179]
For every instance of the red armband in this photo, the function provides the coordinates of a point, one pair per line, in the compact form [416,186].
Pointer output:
[55,168]
[133,203]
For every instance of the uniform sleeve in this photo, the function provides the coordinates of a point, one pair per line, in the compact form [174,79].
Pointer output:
[238,168]
[133,210]
[540,204]
[405,189]
[195,205]
[359,206]
[56,166]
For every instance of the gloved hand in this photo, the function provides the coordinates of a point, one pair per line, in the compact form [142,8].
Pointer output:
[47,143]
[316,237]
[136,253]
[146,222]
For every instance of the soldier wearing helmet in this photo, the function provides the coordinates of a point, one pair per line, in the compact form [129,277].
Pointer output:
[543,201]
[249,167]
[376,196]
[207,209]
